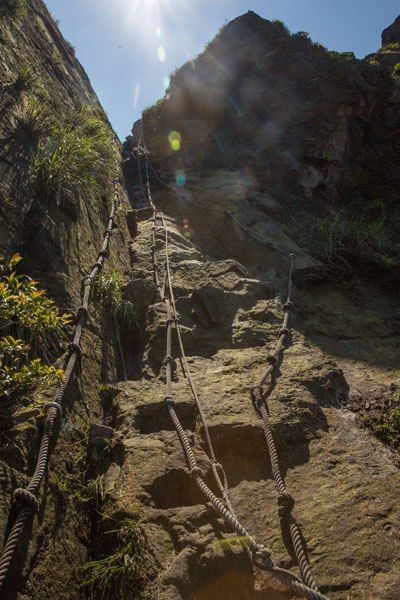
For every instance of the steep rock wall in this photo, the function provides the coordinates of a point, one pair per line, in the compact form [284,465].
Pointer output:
[58,249]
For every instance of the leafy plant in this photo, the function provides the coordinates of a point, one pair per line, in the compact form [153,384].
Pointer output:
[27,313]
[77,159]
[128,571]
[31,327]
[18,373]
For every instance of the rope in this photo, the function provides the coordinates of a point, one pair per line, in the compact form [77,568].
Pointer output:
[25,500]
[285,499]
[261,554]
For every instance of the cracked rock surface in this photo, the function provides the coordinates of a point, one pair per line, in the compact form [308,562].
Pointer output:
[344,481]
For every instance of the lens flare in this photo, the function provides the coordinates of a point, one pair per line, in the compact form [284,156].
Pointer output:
[166,82]
[158,32]
[175,139]
[180,179]
[161,53]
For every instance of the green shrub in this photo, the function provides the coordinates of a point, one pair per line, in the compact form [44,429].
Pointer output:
[31,327]
[77,159]
[125,573]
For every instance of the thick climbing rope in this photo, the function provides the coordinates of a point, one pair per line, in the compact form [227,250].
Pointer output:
[25,499]
[261,554]
[285,499]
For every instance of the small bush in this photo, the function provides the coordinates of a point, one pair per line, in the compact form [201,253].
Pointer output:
[396,71]
[77,159]
[128,571]
[31,327]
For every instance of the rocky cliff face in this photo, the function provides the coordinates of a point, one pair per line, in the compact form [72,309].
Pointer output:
[268,145]
[42,85]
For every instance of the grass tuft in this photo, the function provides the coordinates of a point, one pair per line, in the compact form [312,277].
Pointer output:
[344,241]
[125,573]
[76,159]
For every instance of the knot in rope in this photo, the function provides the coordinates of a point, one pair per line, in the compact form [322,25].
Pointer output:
[98,265]
[196,472]
[271,359]
[168,360]
[285,331]
[169,400]
[74,347]
[25,497]
[86,280]
[286,504]
[104,253]
[287,306]
[263,554]
[55,405]
[82,312]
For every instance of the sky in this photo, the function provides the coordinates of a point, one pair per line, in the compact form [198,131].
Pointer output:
[130,47]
